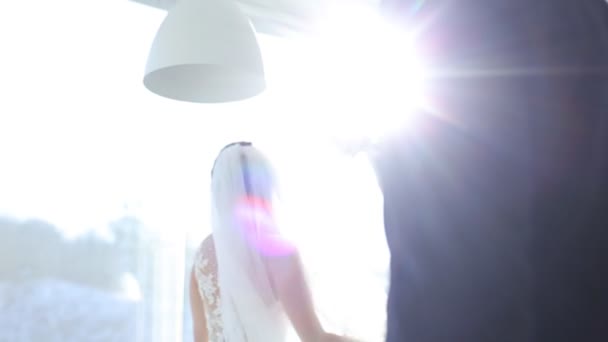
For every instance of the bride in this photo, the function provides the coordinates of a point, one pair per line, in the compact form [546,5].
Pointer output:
[247,283]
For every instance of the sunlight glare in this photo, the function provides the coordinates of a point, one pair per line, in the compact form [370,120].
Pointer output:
[371,77]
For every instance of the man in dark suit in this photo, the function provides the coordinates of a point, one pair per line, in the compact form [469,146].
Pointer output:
[496,200]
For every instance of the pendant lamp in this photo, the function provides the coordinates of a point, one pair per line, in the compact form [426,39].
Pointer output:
[205,51]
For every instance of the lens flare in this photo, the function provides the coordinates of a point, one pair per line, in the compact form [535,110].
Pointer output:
[364,74]
[255,217]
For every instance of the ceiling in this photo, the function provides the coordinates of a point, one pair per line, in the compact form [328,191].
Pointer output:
[277,17]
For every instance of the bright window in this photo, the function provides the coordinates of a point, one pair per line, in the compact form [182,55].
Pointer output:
[104,186]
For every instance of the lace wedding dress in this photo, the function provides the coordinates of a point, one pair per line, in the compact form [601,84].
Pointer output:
[205,271]
[254,327]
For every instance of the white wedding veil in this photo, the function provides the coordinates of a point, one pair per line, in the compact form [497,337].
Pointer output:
[242,188]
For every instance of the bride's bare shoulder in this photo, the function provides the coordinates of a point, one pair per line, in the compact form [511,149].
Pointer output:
[207,247]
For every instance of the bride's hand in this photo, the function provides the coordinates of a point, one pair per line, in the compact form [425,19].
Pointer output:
[337,338]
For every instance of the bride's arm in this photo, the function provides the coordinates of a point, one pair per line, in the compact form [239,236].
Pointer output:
[292,290]
[198,311]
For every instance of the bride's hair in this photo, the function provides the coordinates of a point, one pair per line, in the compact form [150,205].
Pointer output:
[250,309]
[238,143]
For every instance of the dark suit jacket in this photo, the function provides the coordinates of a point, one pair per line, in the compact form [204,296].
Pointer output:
[496,204]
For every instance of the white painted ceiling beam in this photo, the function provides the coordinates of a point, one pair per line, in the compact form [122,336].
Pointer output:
[276,17]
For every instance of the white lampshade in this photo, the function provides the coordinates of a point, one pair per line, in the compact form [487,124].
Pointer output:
[205,51]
